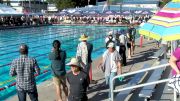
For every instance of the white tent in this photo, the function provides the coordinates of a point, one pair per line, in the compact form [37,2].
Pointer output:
[6,10]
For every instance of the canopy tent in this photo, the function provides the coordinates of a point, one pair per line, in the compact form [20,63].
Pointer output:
[116,2]
[77,13]
[137,12]
[62,13]
[34,14]
[8,11]
[126,12]
[147,12]
[93,13]
[109,12]
[111,8]
[140,1]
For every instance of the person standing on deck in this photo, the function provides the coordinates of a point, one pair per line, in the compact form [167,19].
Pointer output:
[78,81]
[132,34]
[109,38]
[111,64]
[84,51]
[117,41]
[24,68]
[58,58]
[175,65]
[175,62]
[122,51]
[129,40]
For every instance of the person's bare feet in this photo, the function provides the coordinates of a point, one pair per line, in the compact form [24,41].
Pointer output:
[129,57]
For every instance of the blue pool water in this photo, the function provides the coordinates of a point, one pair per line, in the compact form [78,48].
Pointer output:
[40,41]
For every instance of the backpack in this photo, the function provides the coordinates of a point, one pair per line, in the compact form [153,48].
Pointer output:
[117,41]
[109,41]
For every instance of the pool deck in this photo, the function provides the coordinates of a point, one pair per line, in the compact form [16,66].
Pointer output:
[98,92]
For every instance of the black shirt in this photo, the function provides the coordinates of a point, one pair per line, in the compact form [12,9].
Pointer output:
[58,63]
[90,49]
[132,33]
[78,84]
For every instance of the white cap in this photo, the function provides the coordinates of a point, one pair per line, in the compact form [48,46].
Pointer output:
[73,61]
[110,33]
[111,45]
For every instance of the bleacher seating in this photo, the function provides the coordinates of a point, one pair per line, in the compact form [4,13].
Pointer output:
[121,96]
[147,91]
[159,53]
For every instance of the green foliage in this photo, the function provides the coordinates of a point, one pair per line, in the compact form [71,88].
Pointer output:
[62,4]
[114,1]
[81,3]
[164,2]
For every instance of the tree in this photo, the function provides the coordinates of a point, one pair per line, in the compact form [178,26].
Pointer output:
[81,3]
[110,2]
[163,3]
[62,4]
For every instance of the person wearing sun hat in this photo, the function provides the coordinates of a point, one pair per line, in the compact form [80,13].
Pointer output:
[82,51]
[78,81]
[83,55]
[83,37]
[111,63]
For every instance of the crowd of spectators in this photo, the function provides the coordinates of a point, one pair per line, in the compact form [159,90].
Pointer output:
[111,19]
[12,21]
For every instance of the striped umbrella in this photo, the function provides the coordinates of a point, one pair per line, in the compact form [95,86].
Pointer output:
[165,24]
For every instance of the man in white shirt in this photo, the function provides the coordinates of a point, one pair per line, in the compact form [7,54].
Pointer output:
[111,62]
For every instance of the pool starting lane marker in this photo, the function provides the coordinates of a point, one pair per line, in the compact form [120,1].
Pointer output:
[14,83]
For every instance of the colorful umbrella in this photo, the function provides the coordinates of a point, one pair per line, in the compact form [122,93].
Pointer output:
[165,24]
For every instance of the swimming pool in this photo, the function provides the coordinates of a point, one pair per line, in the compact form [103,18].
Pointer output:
[40,40]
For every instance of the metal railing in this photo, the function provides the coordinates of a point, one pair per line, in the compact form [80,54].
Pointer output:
[140,85]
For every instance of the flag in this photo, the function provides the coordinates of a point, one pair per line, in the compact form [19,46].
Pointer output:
[105,6]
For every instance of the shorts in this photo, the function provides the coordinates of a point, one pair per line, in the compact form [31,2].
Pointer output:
[59,80]
[128,45]
[72,98]
[87,68]
[157,42]
[133,40]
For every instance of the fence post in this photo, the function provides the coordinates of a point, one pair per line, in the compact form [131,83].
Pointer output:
[111,88]
[141,41]
[175,95]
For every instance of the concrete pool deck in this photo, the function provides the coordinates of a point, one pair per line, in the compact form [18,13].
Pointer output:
[98,92]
